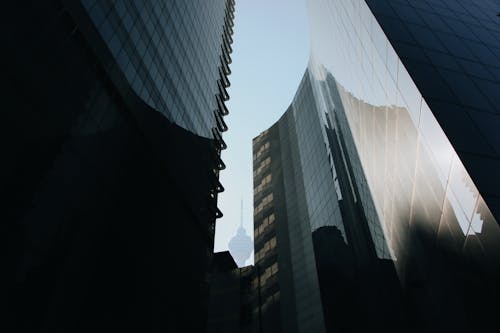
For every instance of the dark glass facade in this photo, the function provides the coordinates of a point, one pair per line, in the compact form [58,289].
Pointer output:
[167,51]
[457,44]
[284,257]
[385,165]
[111,141]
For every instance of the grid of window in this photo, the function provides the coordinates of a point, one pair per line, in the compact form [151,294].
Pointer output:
[264,226]
[412,171]
[262,150]
[266,180]
[266,248]
[264,204]
[268,273]
[169,51]
[422,207]
[457,43]
[321,198]
[298,283]
[263,166]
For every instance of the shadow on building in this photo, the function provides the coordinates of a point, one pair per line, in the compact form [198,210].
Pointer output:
[110,207]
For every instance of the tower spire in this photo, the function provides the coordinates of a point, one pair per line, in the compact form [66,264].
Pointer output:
[241,217]
[241,244]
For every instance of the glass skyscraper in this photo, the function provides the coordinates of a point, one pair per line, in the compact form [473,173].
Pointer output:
[111,140]
[167,51]
[385,170]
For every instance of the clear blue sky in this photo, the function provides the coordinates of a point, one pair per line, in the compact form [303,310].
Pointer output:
[270,55]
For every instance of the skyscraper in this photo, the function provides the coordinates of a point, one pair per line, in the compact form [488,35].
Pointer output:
[284,258]
[384,170]
[111,142]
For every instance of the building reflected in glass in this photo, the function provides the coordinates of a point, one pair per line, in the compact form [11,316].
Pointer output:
[384,169]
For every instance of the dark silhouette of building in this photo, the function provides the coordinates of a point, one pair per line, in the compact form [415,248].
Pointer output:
[381,175]
[111,140]
[224,300]
[232,296]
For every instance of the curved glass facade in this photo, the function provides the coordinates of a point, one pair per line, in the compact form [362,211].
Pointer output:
[413,174]
[282,233]
[112,139]
[374,159]
[174,54]
[423,211]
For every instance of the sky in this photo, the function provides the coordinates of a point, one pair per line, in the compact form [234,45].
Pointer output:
[270,55]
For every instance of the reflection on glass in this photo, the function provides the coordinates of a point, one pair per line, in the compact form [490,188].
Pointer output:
[402,151]
[419,204]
